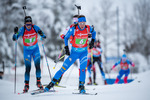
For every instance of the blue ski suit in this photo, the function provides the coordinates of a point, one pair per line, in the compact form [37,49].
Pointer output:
[30,52]
[76,53]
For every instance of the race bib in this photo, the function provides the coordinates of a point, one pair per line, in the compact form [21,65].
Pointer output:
[81,41]
[30,40]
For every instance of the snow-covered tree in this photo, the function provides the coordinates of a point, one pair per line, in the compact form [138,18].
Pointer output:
[139,29]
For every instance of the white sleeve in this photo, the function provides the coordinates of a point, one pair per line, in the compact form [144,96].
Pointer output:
[67,29]
[99,49]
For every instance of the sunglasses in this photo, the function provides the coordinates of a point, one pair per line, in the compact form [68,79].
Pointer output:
[28,24]
[82,23]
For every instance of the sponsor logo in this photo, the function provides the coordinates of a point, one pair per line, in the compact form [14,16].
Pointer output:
[80,34]
[29,34]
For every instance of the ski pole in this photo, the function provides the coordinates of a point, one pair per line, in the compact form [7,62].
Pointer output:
[92,57]
[15,65]
[59,56]
[46,59]
[60,53]
[58,60]
[131,73]
[62,57]
[15,31]
[24,7]
[79,8]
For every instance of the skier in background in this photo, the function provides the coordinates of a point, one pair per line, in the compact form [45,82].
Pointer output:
[89,67]
[78,51]
[124,64]
[97,50]
[29,33]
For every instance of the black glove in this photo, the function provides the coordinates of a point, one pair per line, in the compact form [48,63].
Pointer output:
[16,30]
[91,45]
[40,32]
[89,35]
[67,52]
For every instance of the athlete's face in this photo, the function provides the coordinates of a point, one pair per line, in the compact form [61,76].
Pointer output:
[82,25]
[28,25]
[124,59]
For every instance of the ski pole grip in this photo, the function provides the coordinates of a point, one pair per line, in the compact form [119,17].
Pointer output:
[24,7]
[16,30]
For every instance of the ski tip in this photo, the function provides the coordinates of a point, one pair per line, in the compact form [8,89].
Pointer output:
[32,93]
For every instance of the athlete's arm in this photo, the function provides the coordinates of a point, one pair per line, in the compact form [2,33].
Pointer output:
[20,33]
[67,36]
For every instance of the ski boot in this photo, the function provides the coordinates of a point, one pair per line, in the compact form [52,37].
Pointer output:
[90,81]
[50,85]
[125,80]
[95,83]
[116,81]
[58,81]
[81,88]
[26,87]
[56,84]
[105,82]
[38,83]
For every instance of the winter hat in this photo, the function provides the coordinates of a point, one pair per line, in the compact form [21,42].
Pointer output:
[27,19]
[124,56]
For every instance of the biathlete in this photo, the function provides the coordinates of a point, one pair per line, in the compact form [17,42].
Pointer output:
[124,64]
[78,51]
[29,33]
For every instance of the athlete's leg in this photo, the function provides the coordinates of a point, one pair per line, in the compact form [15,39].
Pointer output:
[121,72]
[67,63]
[126,76]
[36,58]
[101,69]
[83,63]
[27,61]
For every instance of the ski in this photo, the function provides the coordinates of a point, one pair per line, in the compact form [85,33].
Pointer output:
[84,93]
[29,91]
[60,86]
[42,91]
[56,86]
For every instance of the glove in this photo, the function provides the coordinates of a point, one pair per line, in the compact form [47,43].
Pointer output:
[62,36]
[67,52]
[14,37]
[91,45]
[16,30]
[113,67]
[133,64]
[41,33]
[89,35]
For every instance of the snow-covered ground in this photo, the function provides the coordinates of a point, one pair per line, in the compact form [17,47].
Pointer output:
[139,89]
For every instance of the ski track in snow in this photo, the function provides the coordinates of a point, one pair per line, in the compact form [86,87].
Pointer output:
[139,89]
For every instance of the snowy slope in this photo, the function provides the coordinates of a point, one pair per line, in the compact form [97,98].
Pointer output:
[137,90]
